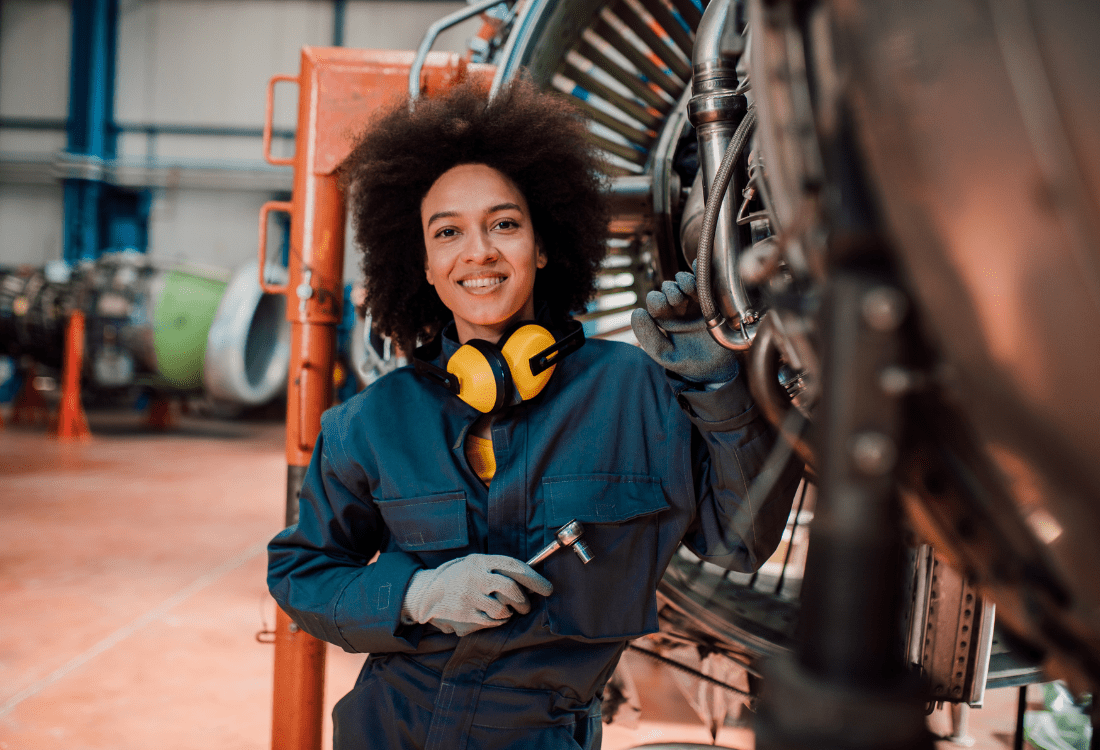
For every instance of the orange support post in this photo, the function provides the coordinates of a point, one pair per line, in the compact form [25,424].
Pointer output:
[338,90]
[71,421]
[160,416]
[29,406]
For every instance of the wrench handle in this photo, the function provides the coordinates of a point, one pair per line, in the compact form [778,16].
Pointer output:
[545,552]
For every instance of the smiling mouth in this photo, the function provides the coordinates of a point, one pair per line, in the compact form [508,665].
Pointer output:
[483,282]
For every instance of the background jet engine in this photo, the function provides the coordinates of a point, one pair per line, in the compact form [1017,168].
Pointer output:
[179,330]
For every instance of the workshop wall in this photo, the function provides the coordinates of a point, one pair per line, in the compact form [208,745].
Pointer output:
[35,39]
[189,103]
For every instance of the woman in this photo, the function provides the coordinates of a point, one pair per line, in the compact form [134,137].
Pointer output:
[474,218]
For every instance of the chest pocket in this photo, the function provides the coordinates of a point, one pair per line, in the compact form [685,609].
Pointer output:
[614,596]
[427,524]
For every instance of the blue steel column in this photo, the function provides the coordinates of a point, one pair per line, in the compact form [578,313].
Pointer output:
[91,130]
[339,16]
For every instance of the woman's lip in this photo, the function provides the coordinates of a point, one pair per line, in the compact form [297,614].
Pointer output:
[490,281]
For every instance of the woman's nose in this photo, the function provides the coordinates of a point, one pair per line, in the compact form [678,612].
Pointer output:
[480,248]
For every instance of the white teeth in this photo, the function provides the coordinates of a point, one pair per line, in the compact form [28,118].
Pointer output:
[484,281]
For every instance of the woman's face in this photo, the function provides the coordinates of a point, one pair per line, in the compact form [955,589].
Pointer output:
[481,250]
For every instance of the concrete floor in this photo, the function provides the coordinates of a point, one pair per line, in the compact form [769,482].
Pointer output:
[132,590]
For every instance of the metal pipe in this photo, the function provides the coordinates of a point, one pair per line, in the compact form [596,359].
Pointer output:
[691,222]
[763,372]
[216,131]
[314,291]
[1021,709]
[72,424]
[434,31]
[722,122]
[718,246]
[33,123]
[299,687]
[101,105]
[91,110]
[524,28]
[632,195]
[717,47]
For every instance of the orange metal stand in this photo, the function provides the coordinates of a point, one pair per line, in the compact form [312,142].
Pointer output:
[29,406]
[338,90]
[72,424]
[160,416]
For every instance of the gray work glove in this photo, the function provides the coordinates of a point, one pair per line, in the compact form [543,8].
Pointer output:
[471,593]
[675,335]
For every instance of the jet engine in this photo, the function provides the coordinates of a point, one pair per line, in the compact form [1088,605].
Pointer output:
[170,329]
[894,209]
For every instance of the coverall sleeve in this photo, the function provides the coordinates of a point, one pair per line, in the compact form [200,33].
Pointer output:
[731,443]
[319,570]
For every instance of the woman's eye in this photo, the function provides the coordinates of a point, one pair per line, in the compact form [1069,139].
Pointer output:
[446,232]
[506,224]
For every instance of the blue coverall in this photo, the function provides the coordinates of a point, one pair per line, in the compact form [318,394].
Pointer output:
[609,442]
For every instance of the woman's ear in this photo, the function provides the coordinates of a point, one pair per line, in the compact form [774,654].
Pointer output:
[428,270]
[541,260]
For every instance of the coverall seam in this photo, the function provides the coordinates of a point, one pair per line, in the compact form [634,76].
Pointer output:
[731,424]
[404,540]
[565,725]
[346,645]
[748,499]
[338,444]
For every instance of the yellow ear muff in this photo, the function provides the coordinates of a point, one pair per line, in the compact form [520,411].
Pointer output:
[488,377]
[478,383]
[524,343]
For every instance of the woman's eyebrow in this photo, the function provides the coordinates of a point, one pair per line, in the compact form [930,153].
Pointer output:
[492,210]
[442,215]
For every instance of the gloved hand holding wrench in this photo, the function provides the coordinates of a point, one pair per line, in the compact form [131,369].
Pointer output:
[480,591]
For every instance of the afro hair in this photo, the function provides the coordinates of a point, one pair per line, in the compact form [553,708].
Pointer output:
[536,139]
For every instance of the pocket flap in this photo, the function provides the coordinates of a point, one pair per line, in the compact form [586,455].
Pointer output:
[601,498]
[423,524]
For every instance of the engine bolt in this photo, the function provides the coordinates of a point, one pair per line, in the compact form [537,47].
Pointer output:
[873,453]
[884,308]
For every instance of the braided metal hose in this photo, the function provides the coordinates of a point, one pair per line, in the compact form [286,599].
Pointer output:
[710,219]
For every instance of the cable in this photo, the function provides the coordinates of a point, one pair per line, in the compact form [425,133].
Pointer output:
[790,542]
[689,671]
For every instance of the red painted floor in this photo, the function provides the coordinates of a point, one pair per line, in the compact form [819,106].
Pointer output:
[132,589]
